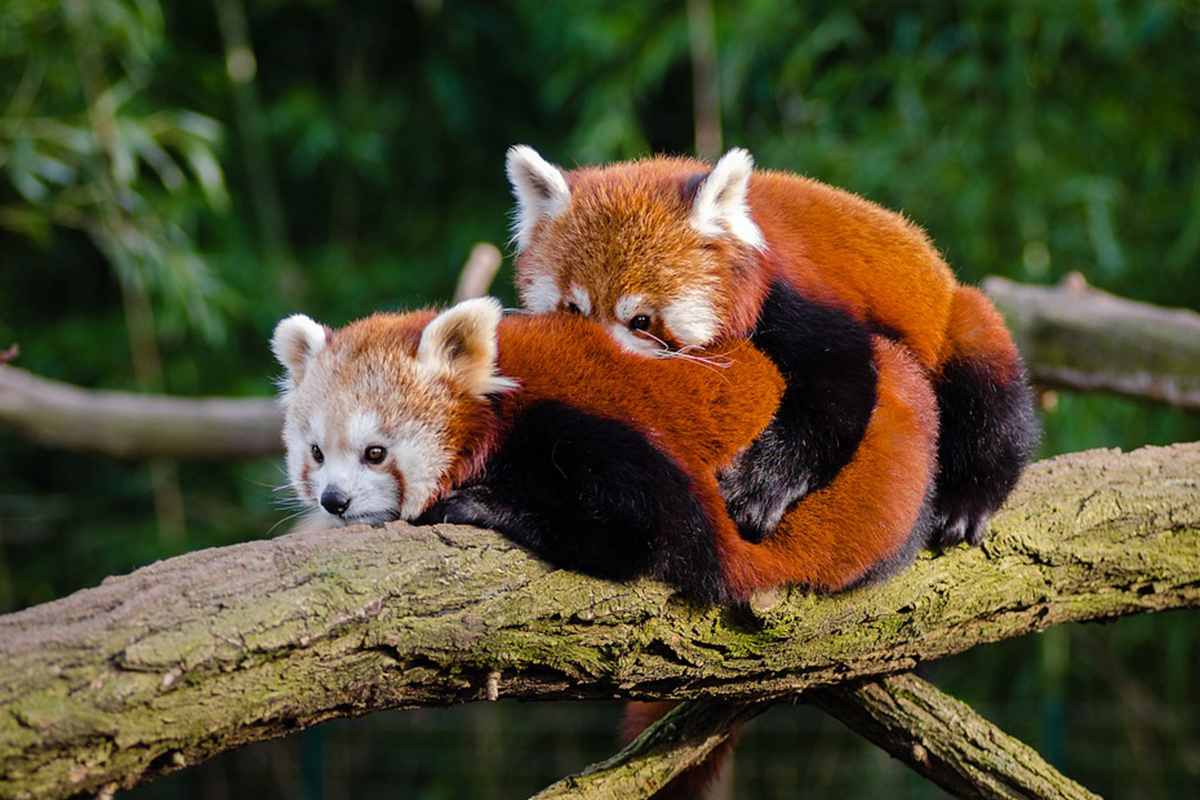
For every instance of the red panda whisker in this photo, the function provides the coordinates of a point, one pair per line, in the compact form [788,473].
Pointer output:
[305,511]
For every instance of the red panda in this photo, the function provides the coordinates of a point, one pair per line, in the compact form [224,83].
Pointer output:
[542,428]
[545,430]
[670,254]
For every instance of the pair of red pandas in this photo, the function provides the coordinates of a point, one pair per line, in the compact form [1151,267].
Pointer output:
[732,379]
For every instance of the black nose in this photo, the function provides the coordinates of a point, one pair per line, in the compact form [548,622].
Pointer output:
[335,501]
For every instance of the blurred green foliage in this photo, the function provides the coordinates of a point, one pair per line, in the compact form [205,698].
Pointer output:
[176,177]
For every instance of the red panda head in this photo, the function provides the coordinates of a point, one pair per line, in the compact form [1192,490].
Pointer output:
[381,416]
[646,248]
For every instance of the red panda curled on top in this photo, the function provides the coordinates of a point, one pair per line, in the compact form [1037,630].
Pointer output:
[544,429]
[672,254]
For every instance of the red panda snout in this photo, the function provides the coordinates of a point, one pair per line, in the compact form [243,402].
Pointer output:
[335,501]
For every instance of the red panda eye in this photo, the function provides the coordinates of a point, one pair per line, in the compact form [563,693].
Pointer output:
[317,455]
[375,454]
[641,322]
[574,308]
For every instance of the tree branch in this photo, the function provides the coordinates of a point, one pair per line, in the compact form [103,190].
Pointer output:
[1081,339]
[196,655]
[944,739]
[1077,337]
[133,425]
[682,738]
[939,737]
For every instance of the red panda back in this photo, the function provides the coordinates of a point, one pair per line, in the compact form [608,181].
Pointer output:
[840,248]
[702,413]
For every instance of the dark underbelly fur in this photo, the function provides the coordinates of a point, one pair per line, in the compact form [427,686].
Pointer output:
[825,357]
[592,495]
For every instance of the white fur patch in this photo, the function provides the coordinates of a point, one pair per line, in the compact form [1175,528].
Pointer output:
[297,339]
[634,342]
[691,319]
[539,187]
[722,202]
[629,307]
[422,459]
[581,300]
[540,294]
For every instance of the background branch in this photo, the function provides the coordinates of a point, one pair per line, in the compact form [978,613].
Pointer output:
[133,425]
[680,739]
[195,655]
[1074,336]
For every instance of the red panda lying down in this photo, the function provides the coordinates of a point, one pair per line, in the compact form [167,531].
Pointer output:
[596,459]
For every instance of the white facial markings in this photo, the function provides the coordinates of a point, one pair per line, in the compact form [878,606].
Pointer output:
[423,460]
[722,205]
[691,319]
[634,342]
[541,294]
[579,296]
[629,307]
[373,493]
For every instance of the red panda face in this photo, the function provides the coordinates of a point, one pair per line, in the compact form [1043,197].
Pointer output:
[646,248]
[379,415]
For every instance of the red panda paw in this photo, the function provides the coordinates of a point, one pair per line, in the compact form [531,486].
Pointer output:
[963,523]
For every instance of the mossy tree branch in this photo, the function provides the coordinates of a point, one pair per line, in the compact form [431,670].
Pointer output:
[939,737]
[195,655]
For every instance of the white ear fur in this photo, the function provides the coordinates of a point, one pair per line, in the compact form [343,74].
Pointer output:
[540,189]
[462,342]
[721,206]
[296,340]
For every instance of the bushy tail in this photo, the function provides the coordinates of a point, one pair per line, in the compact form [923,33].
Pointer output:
[691,783]
[873,516]
[989,429]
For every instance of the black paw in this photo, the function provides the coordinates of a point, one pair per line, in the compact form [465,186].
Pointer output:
[957,521]
[758,493]
[432,515]
[463,508]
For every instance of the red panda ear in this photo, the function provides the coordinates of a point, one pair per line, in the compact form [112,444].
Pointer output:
[296,340]
[461,343]
[540,189]
[722,204]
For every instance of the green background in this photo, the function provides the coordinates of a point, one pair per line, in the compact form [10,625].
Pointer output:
[174,178]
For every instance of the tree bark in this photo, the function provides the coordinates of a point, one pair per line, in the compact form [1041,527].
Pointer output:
[195,655]
[945,740]
[1076,337]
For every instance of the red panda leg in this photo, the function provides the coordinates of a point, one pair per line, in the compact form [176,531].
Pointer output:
[825,357]
[873,517]
[593,495]
[691,783]
[988,426]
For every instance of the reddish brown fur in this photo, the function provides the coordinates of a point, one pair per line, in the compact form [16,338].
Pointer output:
[702,415]
[627,231]
[977,333]
[835,535]
[691,783]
